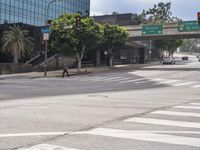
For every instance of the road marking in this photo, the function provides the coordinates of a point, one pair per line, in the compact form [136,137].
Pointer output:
[95,78]
[182,84]
[47,147]
[164,122]
[32,134]
[173,113]
[159,79]
[87,78]
[117,79]
[187,107]
[76,78]
[146,136]
[196,104]
[167,82]
[145,81]
[112,79]
[196,86]
[130,81]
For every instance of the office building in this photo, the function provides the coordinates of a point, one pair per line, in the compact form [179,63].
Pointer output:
[33,12]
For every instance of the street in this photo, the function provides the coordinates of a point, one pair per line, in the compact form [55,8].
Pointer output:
[148,108]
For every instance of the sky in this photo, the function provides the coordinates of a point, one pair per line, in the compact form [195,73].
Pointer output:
[183,9]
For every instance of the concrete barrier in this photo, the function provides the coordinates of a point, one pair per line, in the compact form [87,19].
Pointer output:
[9,68]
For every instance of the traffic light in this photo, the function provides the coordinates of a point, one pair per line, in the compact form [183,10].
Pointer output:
[198,17]
[78,21]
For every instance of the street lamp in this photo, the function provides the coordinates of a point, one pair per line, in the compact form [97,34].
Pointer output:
[105,53]
[46,22]
[150,51]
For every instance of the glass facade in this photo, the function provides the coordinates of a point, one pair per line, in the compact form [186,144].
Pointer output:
[33,12]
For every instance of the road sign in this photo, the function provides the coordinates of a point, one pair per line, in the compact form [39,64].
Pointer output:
[68,27]
[45,36]
[46,30]
[152,29]
[187,26]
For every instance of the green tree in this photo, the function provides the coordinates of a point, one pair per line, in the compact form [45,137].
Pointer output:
[17,42]
[170,45]
[159,14]
[74,40]
[114,37]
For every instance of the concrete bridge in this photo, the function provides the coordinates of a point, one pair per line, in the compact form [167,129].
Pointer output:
[170,31]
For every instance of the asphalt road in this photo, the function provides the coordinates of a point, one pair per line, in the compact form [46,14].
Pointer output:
[149,108]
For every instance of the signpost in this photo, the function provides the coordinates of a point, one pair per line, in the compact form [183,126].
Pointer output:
[45,30]
[188,26]
[152,29]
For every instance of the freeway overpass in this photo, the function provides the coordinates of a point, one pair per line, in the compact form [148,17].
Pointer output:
[169,31]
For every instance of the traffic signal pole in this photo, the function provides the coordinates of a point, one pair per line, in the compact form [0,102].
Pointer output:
[198,17]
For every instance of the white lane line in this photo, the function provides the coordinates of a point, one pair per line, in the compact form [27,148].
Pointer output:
[159,79]
[173,113]
[145,81]
[150,137]
[196,86]
[130,81]
[182,84]
[96,78]
[32,134]
[107,79]
[47,147]
[88,78]
[196,104]
[76,78]
[164,122]
[188,107]
[167,82]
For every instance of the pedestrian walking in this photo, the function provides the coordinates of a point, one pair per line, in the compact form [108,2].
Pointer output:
[65,71]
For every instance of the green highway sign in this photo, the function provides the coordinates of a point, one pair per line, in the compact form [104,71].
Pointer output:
[152,29]
[187,26]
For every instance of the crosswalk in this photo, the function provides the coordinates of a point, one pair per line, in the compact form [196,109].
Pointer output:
[176,132]
[171,126]
[138,81]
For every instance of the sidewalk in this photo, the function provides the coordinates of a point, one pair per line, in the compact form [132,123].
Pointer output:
[74,72]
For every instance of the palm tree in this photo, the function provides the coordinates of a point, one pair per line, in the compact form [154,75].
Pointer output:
[17,41]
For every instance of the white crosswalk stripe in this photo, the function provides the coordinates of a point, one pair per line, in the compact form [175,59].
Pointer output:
[173,113]
[196,104]
[188,107]
[164,122]
[167,82]
[146,136]
[183,84]
[47,147]
[196,86]
[131,81]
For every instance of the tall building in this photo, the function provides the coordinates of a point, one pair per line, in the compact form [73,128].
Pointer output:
[33,12]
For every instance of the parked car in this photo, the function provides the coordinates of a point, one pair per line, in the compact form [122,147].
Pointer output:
[199,59]
[168,60]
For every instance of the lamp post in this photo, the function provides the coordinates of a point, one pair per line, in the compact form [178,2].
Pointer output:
[150,51]
[46,41]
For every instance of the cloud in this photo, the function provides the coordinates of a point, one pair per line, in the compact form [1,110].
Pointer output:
[183,9]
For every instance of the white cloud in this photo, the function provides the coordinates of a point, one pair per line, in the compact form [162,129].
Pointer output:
[184,9]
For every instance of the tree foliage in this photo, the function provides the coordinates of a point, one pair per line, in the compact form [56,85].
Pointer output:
[159,14]
[74,40]
[91,35]
[114,37]
[17,42]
